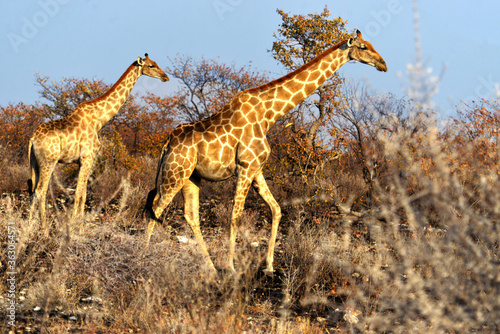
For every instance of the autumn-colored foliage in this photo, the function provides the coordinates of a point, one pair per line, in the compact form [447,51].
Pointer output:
[143,123]
[473,138]
[141,126]
[351,143]
[389,214]
[207,85]
[340,132]
[18,122]
[64,96]
[301,38]
[298,40]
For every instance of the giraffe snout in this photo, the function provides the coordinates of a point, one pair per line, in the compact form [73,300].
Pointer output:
[164,78]
[381,65]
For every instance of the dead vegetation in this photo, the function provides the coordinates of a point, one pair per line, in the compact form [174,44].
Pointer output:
[421,257]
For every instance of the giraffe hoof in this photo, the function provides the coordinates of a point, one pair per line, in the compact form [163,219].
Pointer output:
[269,272]
[232,271]
[214,275]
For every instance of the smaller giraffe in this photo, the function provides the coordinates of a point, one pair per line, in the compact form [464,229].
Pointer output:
[233,142]
[74,138]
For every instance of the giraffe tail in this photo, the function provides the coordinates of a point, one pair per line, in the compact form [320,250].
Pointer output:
[35,170]
[148,208]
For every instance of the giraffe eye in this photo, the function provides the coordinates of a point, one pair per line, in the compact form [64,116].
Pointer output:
[363,47]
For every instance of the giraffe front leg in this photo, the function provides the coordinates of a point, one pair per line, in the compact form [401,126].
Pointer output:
[261,186]
[242,187]
[190,192]
[81,187]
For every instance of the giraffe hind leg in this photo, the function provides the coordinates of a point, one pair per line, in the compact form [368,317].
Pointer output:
[150,214]
[34,203]
[40,195]
[160,201]
[173,176]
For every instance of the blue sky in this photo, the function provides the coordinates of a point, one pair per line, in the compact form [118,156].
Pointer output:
[100,39]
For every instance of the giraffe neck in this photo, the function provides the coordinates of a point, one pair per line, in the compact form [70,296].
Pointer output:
[283,94]
[108,105]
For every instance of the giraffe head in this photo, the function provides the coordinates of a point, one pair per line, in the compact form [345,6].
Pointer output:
[150,68]
[363,51]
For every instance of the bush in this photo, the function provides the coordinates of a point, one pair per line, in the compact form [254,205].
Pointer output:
[399,234]
[424,258]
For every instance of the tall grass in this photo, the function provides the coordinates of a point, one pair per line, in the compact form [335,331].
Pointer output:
[422,259]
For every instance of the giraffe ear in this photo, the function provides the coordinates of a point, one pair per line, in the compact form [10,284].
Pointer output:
[140,61]
[349,42]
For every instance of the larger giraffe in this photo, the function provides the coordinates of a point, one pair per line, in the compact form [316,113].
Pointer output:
[233,142]
[74,138]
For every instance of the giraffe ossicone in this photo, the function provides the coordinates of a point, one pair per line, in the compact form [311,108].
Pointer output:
[74,138]
[233,142]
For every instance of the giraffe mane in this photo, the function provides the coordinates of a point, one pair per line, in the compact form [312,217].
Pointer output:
[108,92]
[313,62]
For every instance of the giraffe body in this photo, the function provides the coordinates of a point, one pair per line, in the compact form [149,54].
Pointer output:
[74,138]
[233,143]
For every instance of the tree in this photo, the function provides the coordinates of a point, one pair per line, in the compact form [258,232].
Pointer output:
[422,85]
[207,85]
[18,122]
[362,123]
[64,96]
[302,135]
[141,125]
[298,40]
[151,129]
[474,137]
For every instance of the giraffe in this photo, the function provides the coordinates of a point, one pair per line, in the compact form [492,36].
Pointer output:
[233,142]
[74,138]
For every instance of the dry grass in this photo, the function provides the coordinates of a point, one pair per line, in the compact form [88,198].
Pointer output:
[423,261]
